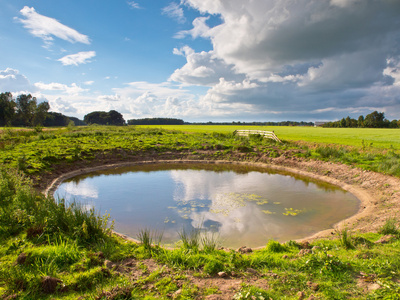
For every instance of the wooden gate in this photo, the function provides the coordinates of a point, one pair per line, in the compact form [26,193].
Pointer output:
[267,134]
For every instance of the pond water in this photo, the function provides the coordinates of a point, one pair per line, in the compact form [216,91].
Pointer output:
[242,205]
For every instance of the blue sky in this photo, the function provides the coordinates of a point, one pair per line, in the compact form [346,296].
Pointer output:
[205,60]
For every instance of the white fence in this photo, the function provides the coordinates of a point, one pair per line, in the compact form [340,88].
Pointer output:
[266,134]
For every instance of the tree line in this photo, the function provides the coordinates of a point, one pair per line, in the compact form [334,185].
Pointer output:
[156,121]
[372,120]
[25,111]
[256,123]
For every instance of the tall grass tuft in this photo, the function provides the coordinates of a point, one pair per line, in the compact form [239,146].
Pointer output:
[390,165]
[345,238]
[330,152]
[390,227]
[210,241]
[144,236]
[22,208]
[190,240]
[149,238]
[274,246]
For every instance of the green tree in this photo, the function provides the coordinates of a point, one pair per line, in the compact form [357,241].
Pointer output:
[348,122]
[375,120]
[343,122]
[26,107]
[7,108]
[360,121]
[55,119]
[104,118]
[115,118]
[394,124]
[40,113]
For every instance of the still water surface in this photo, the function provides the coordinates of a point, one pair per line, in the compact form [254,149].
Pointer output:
[243,205]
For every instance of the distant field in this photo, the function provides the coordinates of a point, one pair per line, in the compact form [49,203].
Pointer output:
[376,138]
[379,138]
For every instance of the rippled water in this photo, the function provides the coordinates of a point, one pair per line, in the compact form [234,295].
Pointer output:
[243,205]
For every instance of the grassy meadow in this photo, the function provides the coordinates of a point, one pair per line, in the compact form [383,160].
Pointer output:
[51,250]
[382,138]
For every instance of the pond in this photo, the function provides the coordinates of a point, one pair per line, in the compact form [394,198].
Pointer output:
[241,205]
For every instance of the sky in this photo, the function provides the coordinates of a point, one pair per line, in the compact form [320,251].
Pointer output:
[205,60]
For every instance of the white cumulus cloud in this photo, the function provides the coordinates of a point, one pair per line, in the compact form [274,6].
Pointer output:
[54,86]
[393,70]
[200,29]
[298,55]
[203,68]
[12,81]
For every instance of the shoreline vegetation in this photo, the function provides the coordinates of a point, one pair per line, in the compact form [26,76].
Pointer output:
[51,250]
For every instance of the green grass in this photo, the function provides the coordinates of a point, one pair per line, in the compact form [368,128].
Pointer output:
[329,271]
[38,152]
[375,138]
[41,236]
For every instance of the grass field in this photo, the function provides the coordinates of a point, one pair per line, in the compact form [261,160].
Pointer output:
[380,138]
[49,250]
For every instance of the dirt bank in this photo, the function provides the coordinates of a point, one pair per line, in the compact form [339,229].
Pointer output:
[379,194]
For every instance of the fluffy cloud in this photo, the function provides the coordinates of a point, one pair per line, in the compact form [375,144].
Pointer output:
[73,89]
[200,29]
[78,58]
[299,56]
[46,28]
[393,70]
[62,106]
[143,99]
[263,36]
[12,81]
[202,68]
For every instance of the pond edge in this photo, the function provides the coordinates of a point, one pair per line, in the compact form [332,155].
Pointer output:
[366,206]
